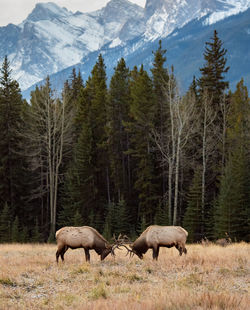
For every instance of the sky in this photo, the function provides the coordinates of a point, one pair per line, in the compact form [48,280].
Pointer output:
[15,11]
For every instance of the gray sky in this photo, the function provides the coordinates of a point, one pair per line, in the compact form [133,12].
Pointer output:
[15,11]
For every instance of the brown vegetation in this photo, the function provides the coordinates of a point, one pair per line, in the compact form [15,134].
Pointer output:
[208,277]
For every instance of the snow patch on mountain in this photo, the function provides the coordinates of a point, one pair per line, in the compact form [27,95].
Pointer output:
[115,42]
[234,7]
[47,11]
[166,15]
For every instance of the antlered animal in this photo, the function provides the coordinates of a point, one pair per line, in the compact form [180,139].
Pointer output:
[224,241]
[155,237]
[82,237]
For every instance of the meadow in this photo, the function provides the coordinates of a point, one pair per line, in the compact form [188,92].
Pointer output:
[208,277]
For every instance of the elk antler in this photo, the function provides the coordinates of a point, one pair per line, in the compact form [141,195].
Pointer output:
[121,239]
[130,252]
[117,242]
[120,242]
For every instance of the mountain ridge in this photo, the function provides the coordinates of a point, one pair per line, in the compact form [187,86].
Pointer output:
[52,39]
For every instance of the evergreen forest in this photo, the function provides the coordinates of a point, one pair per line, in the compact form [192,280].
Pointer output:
[128,152]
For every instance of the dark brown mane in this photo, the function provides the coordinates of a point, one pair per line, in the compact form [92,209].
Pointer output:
[140,244]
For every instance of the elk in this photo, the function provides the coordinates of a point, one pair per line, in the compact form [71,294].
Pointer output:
[155,237]
[82,237]
[224,241]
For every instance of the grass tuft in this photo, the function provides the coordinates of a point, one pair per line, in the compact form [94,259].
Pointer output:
[192,279]
[8,282]
[81,270]
[134,278]
[99,291]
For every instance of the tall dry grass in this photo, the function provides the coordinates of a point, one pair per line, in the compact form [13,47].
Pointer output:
[208,277]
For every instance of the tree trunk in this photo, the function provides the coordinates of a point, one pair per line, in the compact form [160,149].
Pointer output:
[203,185]
[177,164]
[170,175]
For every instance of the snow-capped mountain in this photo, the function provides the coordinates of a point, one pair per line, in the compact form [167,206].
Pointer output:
[163,16]
[51,38]
[229,8]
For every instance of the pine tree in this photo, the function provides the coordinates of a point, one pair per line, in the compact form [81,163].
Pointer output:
[193,219]
[24,235]
[88,178]
[142,112]
[79,188]
[160,78]
[76,84]
[12,186]
[123,218]
[116,220]
[107,231]
[72,90]
[161,216]
[67,213]
[232,212]
[110,221]
[35,234]
[142,225]
[231,215]
[193,87]
[77,219]
[15,230]
[213,71]
[211,107]
[97,118]
[5,224]
[118,139]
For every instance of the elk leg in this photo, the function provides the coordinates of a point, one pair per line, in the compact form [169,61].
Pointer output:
[155,253]
[59,251]
[183,249]
[87,255]
[57,256]
[63,252]
[179,248]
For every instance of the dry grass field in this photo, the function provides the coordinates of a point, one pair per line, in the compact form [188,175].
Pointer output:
[208,277]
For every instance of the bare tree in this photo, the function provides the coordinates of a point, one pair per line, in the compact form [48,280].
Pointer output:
[48,135]
[181,112]
[165,141]
[184,115]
